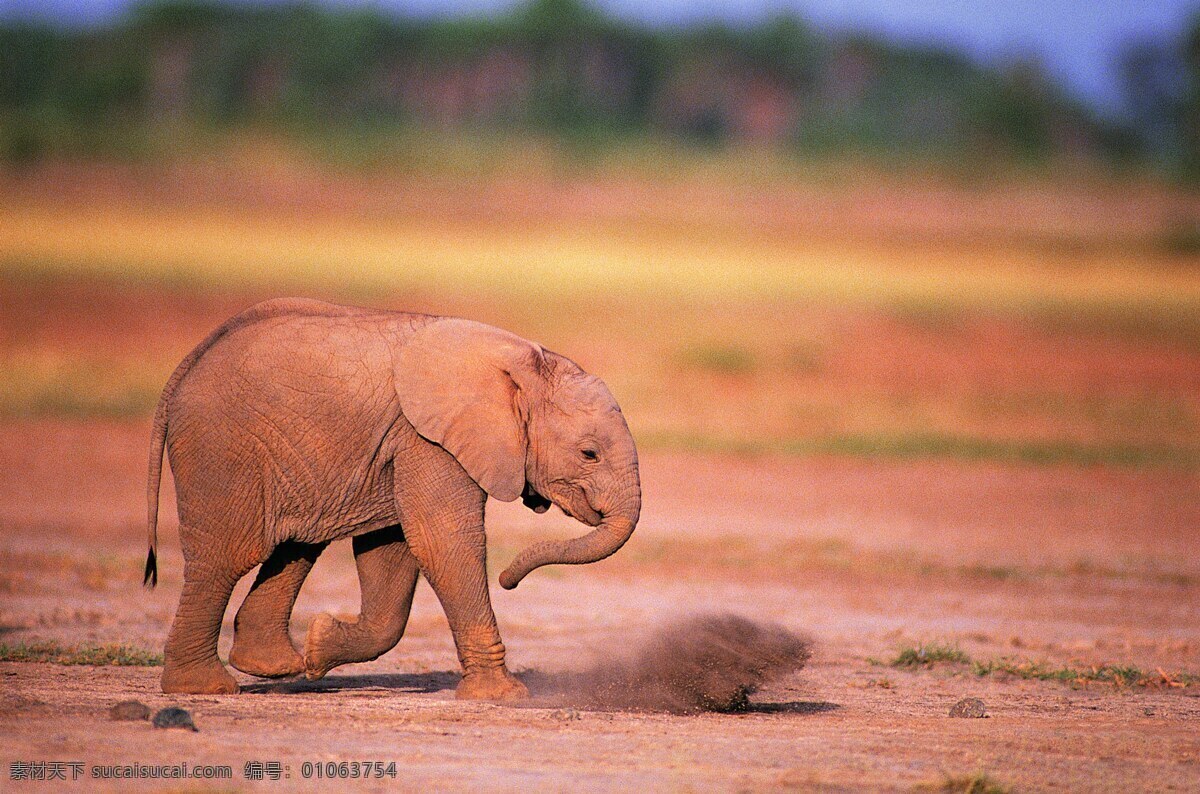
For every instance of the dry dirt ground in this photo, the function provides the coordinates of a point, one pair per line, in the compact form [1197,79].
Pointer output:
[1063,565]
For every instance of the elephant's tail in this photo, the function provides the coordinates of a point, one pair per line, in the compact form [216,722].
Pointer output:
[279,307]
[158,440]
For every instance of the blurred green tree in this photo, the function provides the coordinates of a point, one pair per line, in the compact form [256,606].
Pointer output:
[557,67]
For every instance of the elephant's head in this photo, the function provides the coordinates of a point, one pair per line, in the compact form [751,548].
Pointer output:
[525,422]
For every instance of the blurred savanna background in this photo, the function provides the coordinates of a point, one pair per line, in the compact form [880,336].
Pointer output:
[901,302]
[767,234]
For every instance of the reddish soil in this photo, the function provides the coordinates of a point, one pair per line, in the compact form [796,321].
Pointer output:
[1100,569]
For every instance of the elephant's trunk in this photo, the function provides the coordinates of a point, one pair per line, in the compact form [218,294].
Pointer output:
[608,536]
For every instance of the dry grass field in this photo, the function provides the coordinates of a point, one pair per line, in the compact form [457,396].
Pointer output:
[949,432]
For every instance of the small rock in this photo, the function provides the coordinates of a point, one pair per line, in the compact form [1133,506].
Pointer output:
[129,710]
[565,714]
[971,708]
[174,718]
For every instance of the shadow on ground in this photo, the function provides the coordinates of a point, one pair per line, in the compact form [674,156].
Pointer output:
[417,683]
[549,691]
[792,707]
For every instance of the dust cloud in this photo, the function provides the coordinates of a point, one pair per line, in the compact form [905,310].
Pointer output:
[702,663]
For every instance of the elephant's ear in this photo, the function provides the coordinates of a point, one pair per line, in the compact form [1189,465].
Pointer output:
[458,382]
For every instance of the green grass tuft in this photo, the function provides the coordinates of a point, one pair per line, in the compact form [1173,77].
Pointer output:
[1118,675]
[96,655]
[925,655]
[976,783]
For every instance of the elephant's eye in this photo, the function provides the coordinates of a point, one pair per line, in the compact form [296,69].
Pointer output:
[590,454]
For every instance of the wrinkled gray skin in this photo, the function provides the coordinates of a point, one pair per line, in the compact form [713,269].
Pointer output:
[298,423]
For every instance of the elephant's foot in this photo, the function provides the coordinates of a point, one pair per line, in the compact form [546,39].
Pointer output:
[205,679]
[276,659]
[494,683]
[321,639]
[332,642]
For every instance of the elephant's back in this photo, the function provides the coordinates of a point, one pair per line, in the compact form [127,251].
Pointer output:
[289,340]
[305,352]
[288,408]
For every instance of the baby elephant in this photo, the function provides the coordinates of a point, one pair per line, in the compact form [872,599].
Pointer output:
[297,423]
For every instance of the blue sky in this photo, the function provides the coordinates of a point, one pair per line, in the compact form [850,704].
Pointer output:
[1076,39]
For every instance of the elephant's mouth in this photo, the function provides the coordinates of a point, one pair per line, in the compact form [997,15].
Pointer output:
[576,505]
[534,500]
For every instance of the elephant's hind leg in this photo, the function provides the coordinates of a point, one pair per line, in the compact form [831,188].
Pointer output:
[262,645]
[190,659]
[387,575]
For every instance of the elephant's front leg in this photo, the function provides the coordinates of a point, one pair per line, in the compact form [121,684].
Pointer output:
[441,509]
[387,578]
